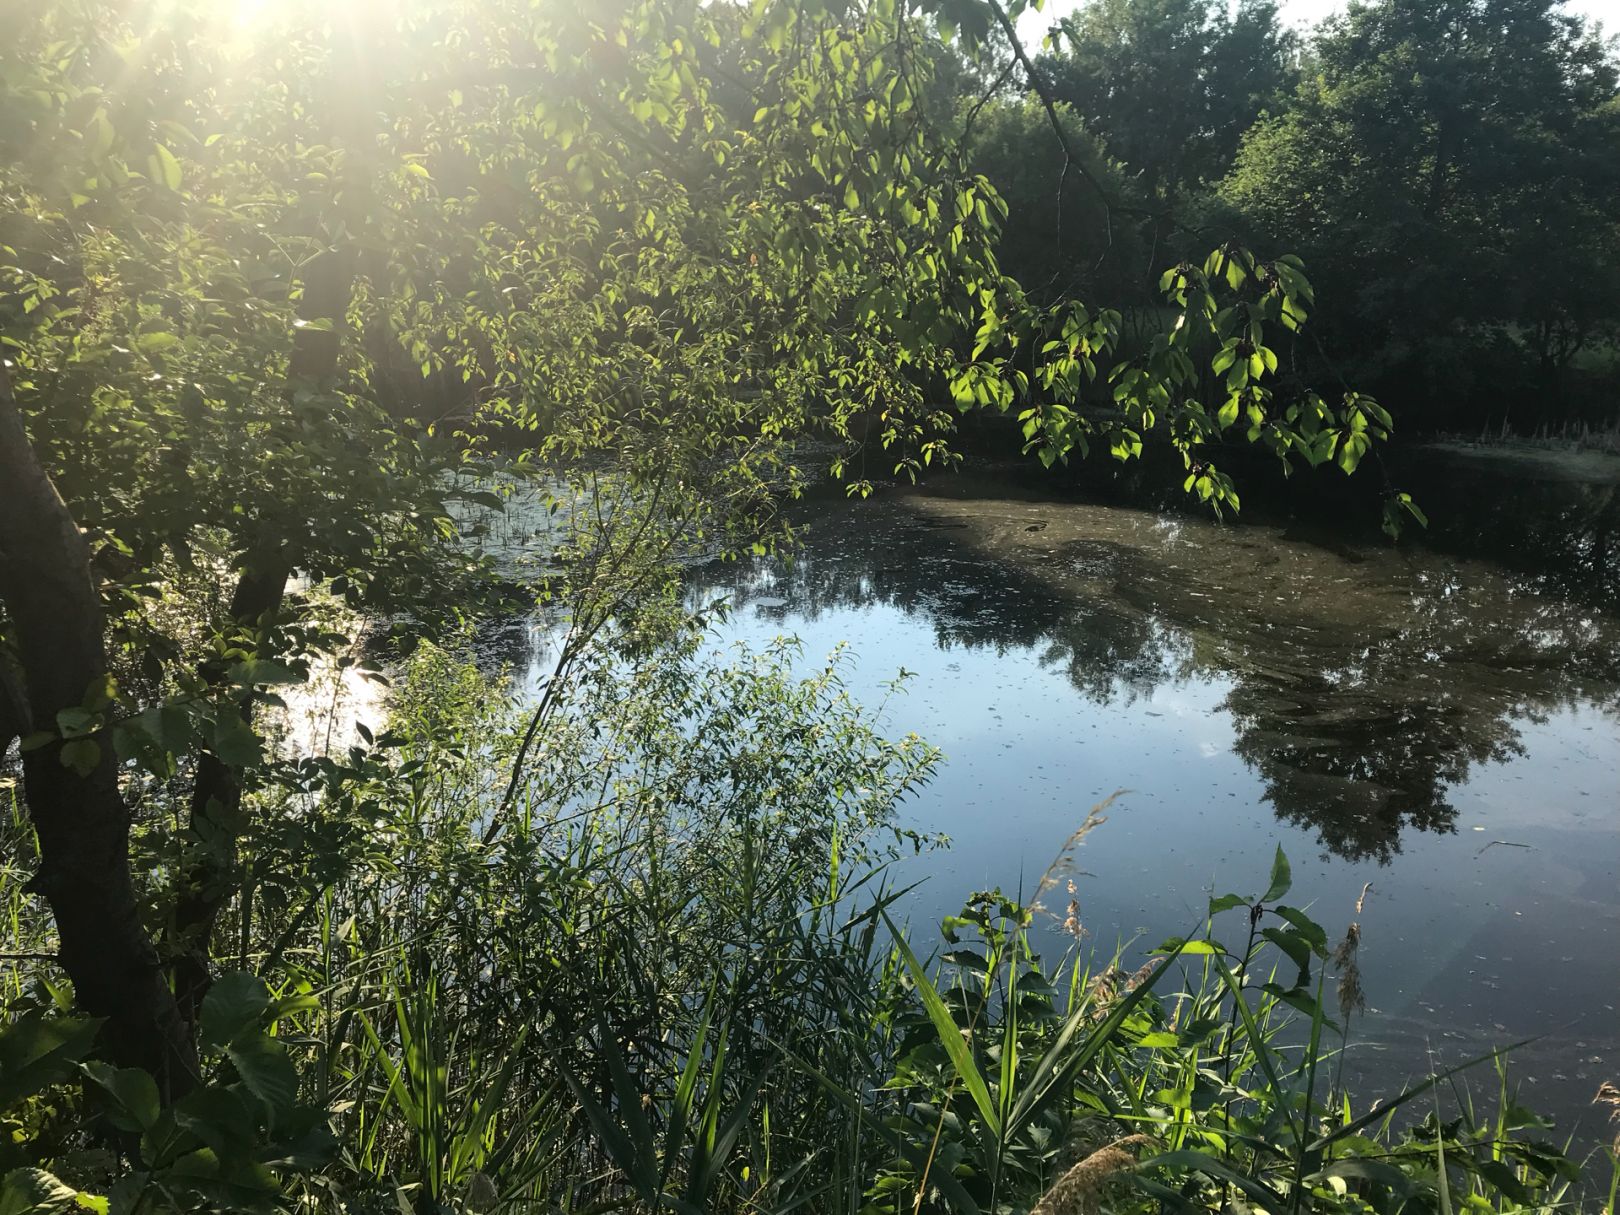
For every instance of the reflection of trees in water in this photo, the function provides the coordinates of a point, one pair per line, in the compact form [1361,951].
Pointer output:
[1362,742]
[1356,767]
[1106,650]
[1359,735]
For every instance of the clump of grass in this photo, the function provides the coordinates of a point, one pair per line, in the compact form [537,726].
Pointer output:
[1079,1191]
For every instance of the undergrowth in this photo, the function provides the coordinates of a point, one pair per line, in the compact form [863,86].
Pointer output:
[663,971]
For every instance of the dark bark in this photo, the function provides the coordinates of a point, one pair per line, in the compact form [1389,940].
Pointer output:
[81,820]
[15,719]
[209,871]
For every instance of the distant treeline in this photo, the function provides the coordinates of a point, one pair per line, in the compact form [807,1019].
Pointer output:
[1448,169]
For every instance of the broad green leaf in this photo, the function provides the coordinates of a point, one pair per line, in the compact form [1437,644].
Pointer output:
[234,740]
[167,168]
[236,1003]
[82,755]
[133,1093]
[35,1192]
[266,1070]
[155,343]
[1282,878]
[37,1051]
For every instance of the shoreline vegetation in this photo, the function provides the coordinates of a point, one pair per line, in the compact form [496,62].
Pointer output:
[1592,452]
[667,978]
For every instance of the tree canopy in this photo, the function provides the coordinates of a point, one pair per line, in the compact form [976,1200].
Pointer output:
[1169,86]
[283,283]
[1451,167]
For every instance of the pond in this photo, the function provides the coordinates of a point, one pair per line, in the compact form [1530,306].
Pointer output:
[1433,724]
[1440,726]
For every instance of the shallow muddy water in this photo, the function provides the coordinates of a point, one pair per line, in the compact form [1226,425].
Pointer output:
[1441,727]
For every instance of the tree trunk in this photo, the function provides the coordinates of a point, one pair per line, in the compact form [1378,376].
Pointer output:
[209,875]
[81,820]
[15,719]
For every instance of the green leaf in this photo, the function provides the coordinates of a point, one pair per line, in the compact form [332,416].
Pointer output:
[1261,1194]
[36,1192]
[1298,950]
[950,1034]
[98,134]
[263,672]
[37,1051]
[77,722]
[1226,902]
[167,167]
[266,1070]
[1369,1170]
[101,693]
[1282,878]
[135,1101]
[82,755]
[219,1117]
[234,740]
[235,1004]
[155,343]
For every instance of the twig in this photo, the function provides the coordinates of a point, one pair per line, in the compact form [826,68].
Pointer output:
[1505,844]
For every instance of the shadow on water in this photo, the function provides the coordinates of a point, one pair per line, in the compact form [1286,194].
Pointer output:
[1363,682]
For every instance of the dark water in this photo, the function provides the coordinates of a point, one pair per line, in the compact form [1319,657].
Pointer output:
[1443,726]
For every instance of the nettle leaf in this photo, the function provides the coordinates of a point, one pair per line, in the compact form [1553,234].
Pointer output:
[155,343]
[266,1070]
[36,1192]
[82,755]
[235,1004]
[234,741]
[222,1118]
[37,1051]
[134,1103]
[76,722]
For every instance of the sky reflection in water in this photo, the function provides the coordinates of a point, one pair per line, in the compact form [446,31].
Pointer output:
[1428,724]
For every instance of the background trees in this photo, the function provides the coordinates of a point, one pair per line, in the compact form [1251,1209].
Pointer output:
[1454,165]
[1169,86]
[1065,240]
[1447,169]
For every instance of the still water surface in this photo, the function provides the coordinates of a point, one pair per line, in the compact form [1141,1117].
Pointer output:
[1439,726]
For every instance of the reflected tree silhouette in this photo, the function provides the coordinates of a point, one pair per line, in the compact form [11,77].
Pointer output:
[1361,701]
